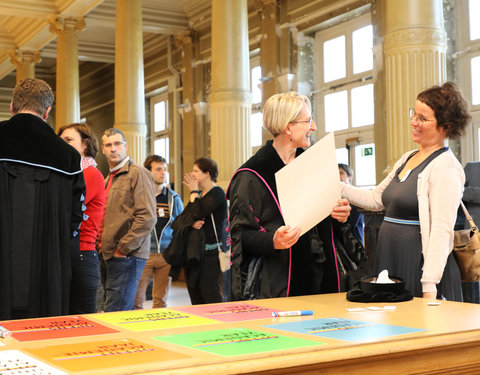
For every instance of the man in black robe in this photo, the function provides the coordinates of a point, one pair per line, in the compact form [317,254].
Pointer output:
[41,193]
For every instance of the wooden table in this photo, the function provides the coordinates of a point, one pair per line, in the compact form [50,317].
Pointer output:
[450,343]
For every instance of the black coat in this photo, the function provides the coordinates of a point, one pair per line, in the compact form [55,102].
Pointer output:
[187,245]
[308,268]
[41,192]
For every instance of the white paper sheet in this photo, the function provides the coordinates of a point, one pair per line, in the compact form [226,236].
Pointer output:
[309,186]
[16,362]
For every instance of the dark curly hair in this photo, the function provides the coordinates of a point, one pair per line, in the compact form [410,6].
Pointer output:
[450,108]
[208,165]
[32,94]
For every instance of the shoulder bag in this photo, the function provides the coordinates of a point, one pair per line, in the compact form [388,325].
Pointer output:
[223,257]
[466,246]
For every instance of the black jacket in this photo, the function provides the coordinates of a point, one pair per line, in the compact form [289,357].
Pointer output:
[41,192]
[187,245]
[309,267]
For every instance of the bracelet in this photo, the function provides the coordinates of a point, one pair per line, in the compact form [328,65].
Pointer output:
[195,191]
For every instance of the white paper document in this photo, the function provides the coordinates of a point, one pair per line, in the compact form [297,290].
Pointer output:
[16,362]
[309,186]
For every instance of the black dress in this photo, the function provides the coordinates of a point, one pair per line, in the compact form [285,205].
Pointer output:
[399,247]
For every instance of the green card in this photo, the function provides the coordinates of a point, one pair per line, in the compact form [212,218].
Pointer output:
[236,341]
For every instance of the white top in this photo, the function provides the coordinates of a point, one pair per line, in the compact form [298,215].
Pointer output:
[439,191]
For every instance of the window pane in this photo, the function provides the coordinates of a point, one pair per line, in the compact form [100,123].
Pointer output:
[159,116]
[256,80]
[342,155]
[362,41]
[362,106]
[365,165]
[473,12]
[475,65]
[336,111]
[334,66]
[256,129]
[161,148]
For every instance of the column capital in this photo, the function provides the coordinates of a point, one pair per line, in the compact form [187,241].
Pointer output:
[184,39]
[24,56]
[62,24]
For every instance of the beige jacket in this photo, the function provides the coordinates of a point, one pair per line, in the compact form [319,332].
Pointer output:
[130,212]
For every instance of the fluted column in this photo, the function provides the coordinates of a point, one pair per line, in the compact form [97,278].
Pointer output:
[67,109]
[230,99]
[25,62]
[129,77]
[415,44]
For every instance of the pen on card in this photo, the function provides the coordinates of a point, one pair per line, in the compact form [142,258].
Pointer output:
[292,313]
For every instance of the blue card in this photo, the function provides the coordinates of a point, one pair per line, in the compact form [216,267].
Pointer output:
[344,329]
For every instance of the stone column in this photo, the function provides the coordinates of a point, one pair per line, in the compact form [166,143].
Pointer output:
[415,45]
[189,141]
[288,52]
[230,99]
[67,108]
[25,62]
[129,77]
[268,47]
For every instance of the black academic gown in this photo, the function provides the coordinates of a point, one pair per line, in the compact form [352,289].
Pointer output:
[41,193]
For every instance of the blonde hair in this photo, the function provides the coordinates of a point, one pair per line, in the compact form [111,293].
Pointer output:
[282,109]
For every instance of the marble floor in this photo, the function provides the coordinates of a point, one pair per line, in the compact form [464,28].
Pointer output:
[177,296]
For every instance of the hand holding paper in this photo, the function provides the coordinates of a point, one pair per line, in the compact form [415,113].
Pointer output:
[285,237]
[342,211]
[309,186]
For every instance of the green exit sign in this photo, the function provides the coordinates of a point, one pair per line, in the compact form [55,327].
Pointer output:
[367,151]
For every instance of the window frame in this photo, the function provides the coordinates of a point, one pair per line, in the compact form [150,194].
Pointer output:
[466,50]
[351,136]
[155,135]
[256,107]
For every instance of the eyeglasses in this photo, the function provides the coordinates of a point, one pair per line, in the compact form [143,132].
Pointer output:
[419,119]
[309,121]
[116,144]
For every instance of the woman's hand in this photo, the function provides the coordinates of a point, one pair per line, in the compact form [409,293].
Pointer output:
[285,237]
[190,182]
[198,224]
[342,211]
[430,295]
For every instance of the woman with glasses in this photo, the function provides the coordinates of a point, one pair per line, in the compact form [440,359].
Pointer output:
[421,196]
[271,259]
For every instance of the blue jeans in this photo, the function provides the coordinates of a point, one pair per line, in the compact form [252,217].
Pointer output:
[121,282]
[85,278]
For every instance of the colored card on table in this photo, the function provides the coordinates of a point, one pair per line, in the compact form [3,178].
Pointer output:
[344,329]
[146,320]
[230,312]
[54,328]
[18,363]
[236,341]
[96,355]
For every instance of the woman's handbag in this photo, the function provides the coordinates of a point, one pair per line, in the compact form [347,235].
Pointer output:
[466,246]
[223,257]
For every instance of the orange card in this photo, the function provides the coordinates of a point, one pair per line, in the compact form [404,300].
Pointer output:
[104,354]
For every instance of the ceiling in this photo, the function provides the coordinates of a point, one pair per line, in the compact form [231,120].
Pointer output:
[25,25]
